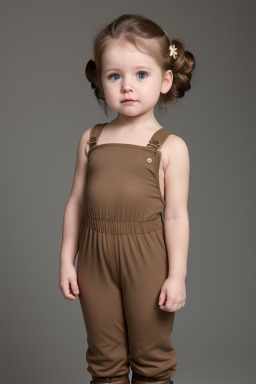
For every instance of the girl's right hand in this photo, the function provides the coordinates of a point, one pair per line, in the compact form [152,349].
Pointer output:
[68,281]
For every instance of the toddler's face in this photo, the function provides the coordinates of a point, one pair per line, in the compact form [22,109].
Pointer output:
[121,79]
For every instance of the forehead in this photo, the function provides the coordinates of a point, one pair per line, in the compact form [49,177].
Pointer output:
[121,52]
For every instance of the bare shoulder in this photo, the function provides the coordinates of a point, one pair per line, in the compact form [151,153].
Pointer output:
[80,169]
[175,151]
[83,141]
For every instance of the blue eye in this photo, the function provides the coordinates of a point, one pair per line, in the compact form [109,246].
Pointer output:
[114,74]
[145,73]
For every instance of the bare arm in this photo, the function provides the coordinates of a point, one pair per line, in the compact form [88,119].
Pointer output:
[74,208]
[176,220]
[71,222]
[176,224]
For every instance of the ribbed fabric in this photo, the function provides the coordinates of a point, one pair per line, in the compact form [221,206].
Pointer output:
[122,227]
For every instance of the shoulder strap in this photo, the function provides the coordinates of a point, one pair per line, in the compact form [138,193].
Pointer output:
[95,134]
[158,138]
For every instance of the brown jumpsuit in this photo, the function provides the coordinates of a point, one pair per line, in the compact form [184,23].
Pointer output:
[122,262]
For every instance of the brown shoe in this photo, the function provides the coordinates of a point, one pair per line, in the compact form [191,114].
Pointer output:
[140,379]
[124,379]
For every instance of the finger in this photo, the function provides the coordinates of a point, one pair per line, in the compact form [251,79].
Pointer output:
[66,292]
[74,287]
[167,309]
[169,304]
[69,296]
[162,298]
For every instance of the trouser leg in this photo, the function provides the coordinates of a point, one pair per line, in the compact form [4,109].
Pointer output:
[144,268]
[102,307]
[140,379]
[123,379]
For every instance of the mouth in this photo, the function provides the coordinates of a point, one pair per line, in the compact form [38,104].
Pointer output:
[129,101]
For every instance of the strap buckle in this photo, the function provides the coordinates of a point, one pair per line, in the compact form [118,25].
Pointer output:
[93,140]
[153,144]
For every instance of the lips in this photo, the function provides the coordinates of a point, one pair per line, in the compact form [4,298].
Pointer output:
[126,100]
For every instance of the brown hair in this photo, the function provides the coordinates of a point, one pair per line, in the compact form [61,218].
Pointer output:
[148,37]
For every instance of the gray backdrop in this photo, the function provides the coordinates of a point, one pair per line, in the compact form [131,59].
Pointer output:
[46,103]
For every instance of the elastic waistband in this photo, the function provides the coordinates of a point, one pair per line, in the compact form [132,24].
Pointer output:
[122,226]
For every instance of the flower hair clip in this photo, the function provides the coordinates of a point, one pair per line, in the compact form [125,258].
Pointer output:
[173,51]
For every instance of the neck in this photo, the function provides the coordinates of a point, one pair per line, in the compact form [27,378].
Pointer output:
[145,120]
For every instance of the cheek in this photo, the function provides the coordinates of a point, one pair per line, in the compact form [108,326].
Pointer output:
[157,87]
[151,84]
[109,89]
[109,94]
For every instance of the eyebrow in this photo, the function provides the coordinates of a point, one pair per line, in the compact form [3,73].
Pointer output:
[137,67]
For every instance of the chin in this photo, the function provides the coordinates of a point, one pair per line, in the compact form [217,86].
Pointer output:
[129,113]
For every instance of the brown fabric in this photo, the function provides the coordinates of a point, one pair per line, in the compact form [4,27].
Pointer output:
[124,379]
[122,261]
[139,379]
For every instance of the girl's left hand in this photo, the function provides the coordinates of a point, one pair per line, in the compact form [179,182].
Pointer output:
[173,294]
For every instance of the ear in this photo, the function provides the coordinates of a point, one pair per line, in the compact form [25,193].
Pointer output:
[167,81]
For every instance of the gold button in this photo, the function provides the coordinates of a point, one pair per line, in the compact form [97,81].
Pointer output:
[149,160]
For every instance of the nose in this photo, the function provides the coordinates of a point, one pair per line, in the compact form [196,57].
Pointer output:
[126,86]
